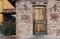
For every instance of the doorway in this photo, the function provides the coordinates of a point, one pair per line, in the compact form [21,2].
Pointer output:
[9,23]
[39,20]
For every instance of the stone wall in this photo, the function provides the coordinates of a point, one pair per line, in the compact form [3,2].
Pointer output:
[24,22]
[24,19]
[53,17]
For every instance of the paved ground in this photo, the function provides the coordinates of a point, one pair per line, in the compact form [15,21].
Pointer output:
[37,37]
[42,37]
[1,36]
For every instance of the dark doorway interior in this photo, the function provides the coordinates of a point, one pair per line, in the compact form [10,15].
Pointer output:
[10,18]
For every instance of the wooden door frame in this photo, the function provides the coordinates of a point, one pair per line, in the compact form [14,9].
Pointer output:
[45,17]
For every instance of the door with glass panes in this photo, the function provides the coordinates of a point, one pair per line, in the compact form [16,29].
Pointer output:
[39,20]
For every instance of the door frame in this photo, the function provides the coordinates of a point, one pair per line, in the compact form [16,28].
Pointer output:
[45,17]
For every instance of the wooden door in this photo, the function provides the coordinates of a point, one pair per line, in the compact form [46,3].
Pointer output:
[39,14]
